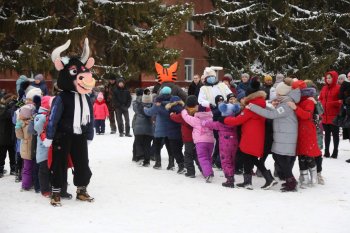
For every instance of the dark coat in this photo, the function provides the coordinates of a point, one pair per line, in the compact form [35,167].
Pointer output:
[175,90]
[108,95]
[7,128]
[141,123]
[122,98]
[193,89]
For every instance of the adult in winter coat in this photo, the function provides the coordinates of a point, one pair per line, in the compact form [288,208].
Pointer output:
[122,102]
[344,95]
[108,96]
[195,86]
[39,82]
[285,130]
[253,130]
[211,89]
[228,80]
[7,132]
[307,147]
[243,86]
[142,126]
[268,83]
[329,97]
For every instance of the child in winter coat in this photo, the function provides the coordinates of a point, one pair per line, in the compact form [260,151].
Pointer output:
[190,154]
[100,114]
[285,130]
[216,115]
[203,139]
[142,126]
[253,130]
[21,129]
[228,141]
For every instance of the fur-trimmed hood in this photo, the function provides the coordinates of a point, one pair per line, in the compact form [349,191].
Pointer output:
[257,98]
[170,105]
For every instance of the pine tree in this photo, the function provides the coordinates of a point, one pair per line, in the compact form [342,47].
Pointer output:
[124,35]
[300,37]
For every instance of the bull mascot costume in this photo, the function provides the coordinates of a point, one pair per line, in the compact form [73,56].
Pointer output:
[70,127]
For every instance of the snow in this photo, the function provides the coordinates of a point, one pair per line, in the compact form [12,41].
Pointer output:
[129,198]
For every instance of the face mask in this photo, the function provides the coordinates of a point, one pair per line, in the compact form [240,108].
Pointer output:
[211,79]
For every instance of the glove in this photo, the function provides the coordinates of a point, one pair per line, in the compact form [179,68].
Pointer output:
[221,119]
[47,142]
[89,142]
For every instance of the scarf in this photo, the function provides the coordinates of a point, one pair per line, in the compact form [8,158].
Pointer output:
[80,118]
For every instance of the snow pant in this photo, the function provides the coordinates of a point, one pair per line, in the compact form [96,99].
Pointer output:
[249,161]
[239,160]
[286,164]
[228,150]
[100,126]
[75,145]
[158,145]
[176,150]
[112,115]
[143,147]
[44,177]
[318,161]
[27,173]
[204,152]
[190,156]
[334,130]
[120,113]
[10,149]
[306,162]
[216,154]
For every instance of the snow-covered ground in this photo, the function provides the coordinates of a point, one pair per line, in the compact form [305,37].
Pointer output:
[129,198]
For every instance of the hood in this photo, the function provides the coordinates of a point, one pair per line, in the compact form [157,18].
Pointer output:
[257,98]
[172,104]
[295,94]
[100,102]
[204,115]
[334,75]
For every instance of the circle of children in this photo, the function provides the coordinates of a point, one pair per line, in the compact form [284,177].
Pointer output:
[236,127]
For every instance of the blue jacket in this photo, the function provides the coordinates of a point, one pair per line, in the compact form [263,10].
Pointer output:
[165,127]
[39,122]
[62,116]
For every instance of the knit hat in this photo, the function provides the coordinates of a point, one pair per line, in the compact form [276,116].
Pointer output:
[33,92]
[191,101]
[146,91]
[245,75]
[299,84]
[267,78]
[219,98]
[165,91]
[227,77]
[46,102]
[229,96]
[279,79]
[175,105]
[100,96]
[139,91]
[39,77]
[254,86]
[203,109]
[229,109]
[342,77]
[26,111]
[283,89]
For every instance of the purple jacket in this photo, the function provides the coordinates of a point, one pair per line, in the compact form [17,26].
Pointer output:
[225,131]
[199,133]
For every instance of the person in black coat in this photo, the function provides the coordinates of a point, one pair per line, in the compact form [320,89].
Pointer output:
[122,102]
[7,133]
[195,85]
[344,95]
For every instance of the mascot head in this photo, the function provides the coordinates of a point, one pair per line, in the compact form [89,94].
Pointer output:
[166,74]
[74,72]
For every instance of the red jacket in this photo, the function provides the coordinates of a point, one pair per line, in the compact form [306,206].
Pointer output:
[307,137]
[186,129]
[253,126]
[329,98]
[100,110]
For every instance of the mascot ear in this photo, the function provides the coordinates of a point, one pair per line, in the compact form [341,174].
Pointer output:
[173,67]
[58,64]
[159,68]
[90,62]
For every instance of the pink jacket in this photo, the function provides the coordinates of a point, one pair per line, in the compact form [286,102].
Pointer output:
[100,110]
[199,133]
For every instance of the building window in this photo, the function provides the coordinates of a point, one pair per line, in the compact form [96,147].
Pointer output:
[189,69]
[189,26]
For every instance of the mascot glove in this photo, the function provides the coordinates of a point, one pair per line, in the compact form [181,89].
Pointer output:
[89,142]
[47,142]
[205,104]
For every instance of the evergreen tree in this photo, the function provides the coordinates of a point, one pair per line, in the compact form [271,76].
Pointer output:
[270,36]
[124,35]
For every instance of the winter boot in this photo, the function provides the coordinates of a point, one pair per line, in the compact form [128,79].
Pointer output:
[320,179]
[313,175]
[209,178]
[157,165]
[326,154]
[171,165]
[348,160]
[334,154]
[230,182]
[181,169]
[270,181]
[145,163]
[55,197]
[83,195]
[247,183]
[304,179]
[18,177]
[190,175]
[290,186]
[113,132]
[258,173]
